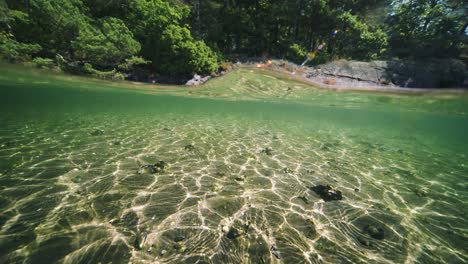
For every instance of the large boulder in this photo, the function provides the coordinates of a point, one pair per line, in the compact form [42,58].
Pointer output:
[435,73]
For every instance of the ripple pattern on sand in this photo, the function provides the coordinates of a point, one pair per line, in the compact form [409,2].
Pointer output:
[70,192]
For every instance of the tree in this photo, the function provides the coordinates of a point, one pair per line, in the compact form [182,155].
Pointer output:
[358,40]
[106,44]
[183,55]
[421,28]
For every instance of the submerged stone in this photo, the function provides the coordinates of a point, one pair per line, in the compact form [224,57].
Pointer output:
[375,232]
[364,241]
[275,252]
[97,132]
[158,167]
[179,238]
[179,248]
[420,192]
[147,169]
[268,151]
[240,178]
[233,233]
[189,147]
[327,193]
[140,240]
[288,170]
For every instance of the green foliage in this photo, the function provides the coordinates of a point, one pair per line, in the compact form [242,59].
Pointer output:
[14,51]
[132,62]
[180,37]
[43,63]
[184,55]
[420,28]
[296,53]
[358,40]
[106,44]
[105,75]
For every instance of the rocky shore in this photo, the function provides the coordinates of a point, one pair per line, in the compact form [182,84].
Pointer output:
[384,74]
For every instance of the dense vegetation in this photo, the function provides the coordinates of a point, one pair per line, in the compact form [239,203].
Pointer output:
[117,38]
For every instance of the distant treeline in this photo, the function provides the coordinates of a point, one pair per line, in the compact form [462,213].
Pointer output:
[178,38]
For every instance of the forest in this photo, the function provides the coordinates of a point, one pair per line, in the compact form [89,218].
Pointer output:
[114,39]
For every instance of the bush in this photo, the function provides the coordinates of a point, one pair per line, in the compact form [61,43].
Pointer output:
[105,75]
[14,51]
[44,63]
[130,63]
[105,45]
[296,53]
[182,55]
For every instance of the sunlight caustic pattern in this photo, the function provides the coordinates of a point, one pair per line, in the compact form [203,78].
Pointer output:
[233,191]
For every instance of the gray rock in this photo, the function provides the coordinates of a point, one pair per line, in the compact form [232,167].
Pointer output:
[375,232]
[197,80]
[434,73]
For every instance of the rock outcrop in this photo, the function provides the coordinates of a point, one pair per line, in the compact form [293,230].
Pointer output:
[197,80]
[435,73]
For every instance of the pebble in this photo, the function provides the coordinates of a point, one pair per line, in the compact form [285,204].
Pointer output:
[240,178]
[233,233]
[179,238]
[327,193]
[375,232]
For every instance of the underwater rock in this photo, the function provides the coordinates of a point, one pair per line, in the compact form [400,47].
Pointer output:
[304,199]
[240,178]
[420,192]
[363,240]
[268,151]
[375,232]
[189,147]
[327,193]
[158,167]
[140,240]
[356,189]
[97,132]
[288,170]
[225,229]
[233,233]
[147,169]
[275,252]
[116,143]
[179,239]
[179,248]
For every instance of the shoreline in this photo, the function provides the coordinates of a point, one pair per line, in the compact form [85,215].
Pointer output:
[266,69]
[380,89]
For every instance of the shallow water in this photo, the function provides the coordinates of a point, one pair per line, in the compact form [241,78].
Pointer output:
[70,191]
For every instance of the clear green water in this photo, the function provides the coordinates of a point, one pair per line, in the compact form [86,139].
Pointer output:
[70,196]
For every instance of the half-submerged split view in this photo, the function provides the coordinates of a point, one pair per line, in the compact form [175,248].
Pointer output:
[219,131]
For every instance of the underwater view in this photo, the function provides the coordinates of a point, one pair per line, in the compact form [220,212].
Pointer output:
[253,167]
